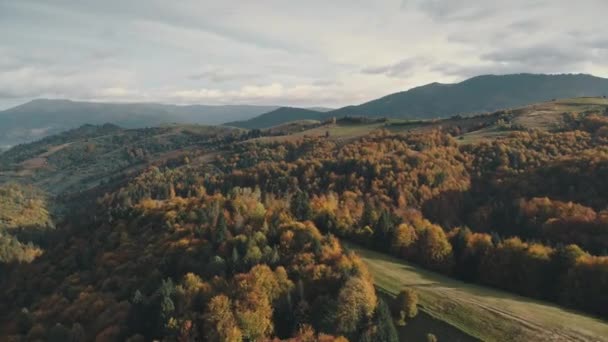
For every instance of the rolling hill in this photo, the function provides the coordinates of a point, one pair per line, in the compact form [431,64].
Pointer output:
[277,117]
[476,95]
[39,118]
[139,205]
[85,157]
[550,116]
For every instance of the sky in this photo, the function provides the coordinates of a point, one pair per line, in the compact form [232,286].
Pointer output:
[284,52]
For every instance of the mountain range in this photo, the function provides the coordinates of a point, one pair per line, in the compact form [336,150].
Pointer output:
[40,118]
[479,94]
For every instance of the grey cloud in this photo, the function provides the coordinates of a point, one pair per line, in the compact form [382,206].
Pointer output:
[526,25]
[100,55]
[467,71]
[537,56]
[317,53]
[507,60]
[399,69]
[326,82]
[180,15]
[221,76]
[468,10]
[456,10]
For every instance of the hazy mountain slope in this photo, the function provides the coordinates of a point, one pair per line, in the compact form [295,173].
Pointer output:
[476,95]
[320,109]
[82,158]
[277,117]
[40,118]
[479,94]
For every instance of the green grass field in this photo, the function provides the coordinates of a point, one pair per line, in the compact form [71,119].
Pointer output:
[484,313]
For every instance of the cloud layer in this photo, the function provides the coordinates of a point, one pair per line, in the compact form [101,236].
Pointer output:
[284,52]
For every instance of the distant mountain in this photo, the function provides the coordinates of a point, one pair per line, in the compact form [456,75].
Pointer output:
[320,109]
[40,118]
[278,116]
[476,95]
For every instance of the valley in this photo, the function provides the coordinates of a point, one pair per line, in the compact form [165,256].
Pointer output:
[317,171]
[186,213]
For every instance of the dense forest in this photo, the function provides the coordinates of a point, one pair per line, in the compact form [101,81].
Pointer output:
[243,244]
[221,268]
[24,219]
[525,213]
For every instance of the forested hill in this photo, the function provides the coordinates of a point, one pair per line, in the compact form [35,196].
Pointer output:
[476,95]
[223,234]
[277,117]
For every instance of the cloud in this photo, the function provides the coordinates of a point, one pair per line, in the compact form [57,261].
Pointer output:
[525,25]
[533,59]
[468,10]
[31,82]
[219,75]
[282,52]
[449,10]
[301,94]
[401,69]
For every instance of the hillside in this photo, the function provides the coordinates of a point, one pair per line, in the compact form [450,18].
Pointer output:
[487,314]
[82,158]
[277,117]
[183,231]
[480,94]
[39,118]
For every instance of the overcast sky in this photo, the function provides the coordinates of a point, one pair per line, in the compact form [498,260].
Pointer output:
[313,52]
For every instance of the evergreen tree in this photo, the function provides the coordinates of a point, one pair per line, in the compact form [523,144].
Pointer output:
[235,259]
[59,333]
[382,327]
[496,240]
[24,321]
[77,334]
[221,230]
[300,206]
[383,231]
[367,219]
[459,241]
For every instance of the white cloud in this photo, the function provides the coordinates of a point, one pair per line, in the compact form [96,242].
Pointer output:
[279,52]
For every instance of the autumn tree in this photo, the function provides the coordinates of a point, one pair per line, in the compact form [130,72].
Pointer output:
[403,241]
[434,249]
[220,323]
[356,302]
[253,312]
[405,305]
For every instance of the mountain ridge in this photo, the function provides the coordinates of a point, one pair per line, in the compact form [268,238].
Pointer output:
[39,118]
[276,117]
[479,94]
